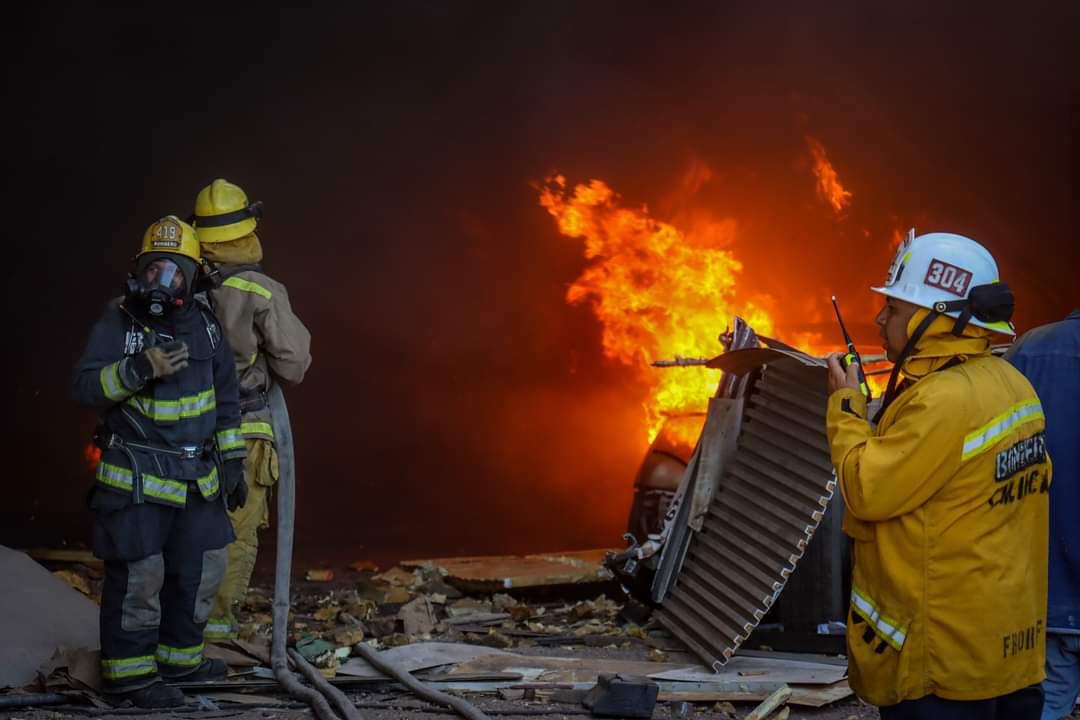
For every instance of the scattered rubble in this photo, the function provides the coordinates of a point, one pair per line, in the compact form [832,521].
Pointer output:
[771,704]
[495,573]
[522,646]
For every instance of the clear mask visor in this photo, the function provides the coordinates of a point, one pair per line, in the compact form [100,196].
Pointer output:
[165,274]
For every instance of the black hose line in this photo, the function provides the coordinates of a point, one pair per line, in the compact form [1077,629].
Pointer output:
[459,705]
[286,504]
[340,701]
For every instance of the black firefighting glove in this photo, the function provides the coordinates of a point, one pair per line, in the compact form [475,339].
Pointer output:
[233,484]
[161,360]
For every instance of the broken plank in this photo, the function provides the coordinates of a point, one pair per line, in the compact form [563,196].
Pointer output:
[560,669]
[775,700]
[249,698]
[741,668]
[501,572]
[480,618]
[805,695]
[230,657]
[85,557]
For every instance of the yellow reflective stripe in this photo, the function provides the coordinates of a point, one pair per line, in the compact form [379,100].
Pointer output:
[239,283]
[173,491]
[189,406]
[253,358]
[230,439]
[989,434]
[1001,327]
[209,485]
[885,627]
[111,384]
[257,428]
[185,657]
[114,476]
[128,667]
[218,629]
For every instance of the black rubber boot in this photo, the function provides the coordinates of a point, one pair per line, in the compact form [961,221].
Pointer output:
[209,670]
[157,695]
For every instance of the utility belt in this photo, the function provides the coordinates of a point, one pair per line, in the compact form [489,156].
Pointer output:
[253,401]
[111,441]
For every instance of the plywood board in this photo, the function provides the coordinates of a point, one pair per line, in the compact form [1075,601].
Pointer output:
[503,572]
[39,613]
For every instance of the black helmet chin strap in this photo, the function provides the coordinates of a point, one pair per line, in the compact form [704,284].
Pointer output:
[989,303]
[909,348]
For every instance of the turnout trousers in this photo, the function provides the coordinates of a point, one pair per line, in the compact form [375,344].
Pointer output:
[1024,704]
[163,566]
[260,474]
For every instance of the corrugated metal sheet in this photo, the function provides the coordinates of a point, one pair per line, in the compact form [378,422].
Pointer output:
[771,499]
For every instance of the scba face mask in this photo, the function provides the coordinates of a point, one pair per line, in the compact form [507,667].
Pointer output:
[161,284]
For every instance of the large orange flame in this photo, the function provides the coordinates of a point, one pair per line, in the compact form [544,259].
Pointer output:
[658,291]
[828,182]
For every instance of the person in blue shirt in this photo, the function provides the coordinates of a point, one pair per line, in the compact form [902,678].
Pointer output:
[1049,356]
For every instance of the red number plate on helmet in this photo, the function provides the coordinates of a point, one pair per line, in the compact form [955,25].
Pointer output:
[948,277]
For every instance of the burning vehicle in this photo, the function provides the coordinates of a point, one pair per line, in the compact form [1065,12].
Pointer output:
[661,470]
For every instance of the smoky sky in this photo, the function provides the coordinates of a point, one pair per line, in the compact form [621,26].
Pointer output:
[456,403]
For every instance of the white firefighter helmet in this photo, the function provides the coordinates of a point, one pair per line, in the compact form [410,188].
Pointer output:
[941,268]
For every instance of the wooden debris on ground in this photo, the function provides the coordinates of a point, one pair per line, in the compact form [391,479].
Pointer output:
[503,572]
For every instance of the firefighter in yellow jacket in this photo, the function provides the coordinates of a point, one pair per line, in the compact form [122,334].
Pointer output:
[270,344]
[946,498]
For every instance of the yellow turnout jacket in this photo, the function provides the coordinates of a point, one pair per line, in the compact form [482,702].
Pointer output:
[946,501]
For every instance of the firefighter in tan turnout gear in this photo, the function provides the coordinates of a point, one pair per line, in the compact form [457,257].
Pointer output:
[946,499]
[270,344]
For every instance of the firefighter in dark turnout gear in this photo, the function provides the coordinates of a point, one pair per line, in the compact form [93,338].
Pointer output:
[160,373]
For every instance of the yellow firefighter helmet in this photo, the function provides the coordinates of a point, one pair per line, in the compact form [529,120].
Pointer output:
[170,234]
[223,213]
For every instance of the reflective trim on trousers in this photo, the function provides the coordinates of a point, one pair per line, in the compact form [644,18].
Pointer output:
[220,630]
[180,657]
[121,668]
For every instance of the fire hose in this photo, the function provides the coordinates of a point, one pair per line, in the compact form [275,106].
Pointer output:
[319,699]
[324,694]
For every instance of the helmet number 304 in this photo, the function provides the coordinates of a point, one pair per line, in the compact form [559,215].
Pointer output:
[949,278]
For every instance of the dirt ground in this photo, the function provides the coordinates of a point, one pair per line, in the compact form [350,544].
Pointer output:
[405,707]
[320,609]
